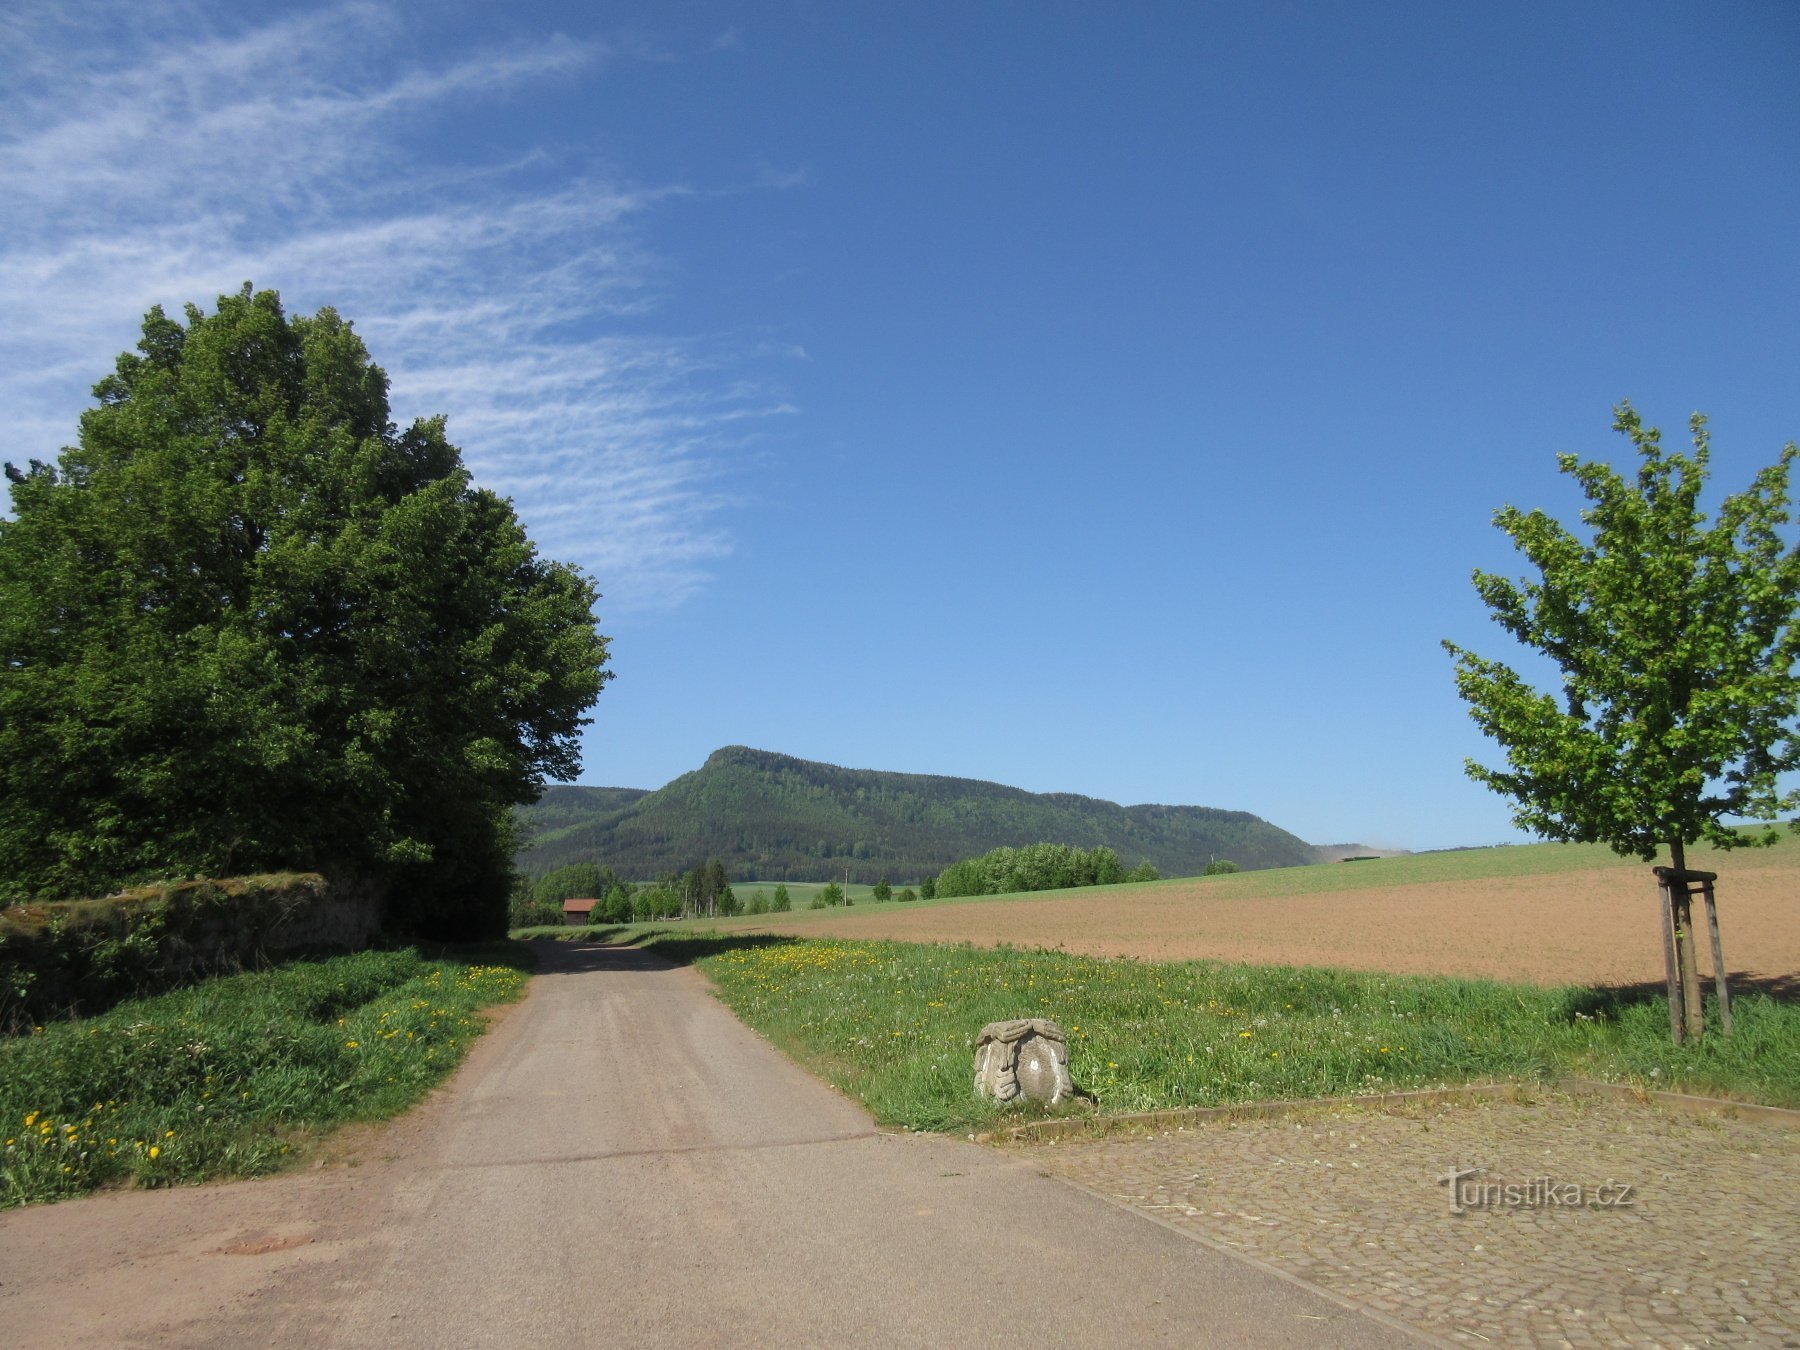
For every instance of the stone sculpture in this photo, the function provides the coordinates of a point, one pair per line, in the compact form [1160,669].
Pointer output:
[1027,1057]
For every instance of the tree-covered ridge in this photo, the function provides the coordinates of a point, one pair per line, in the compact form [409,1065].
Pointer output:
[772,817]
[563,807]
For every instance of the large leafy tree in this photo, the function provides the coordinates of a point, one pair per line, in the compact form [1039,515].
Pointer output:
[1677,641]
[247,622]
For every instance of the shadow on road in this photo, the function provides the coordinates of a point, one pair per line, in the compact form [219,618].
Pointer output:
[624,949]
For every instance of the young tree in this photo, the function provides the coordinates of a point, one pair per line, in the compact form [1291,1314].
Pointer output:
[615,906]
[882,892]
[525,911]
[247,623]
[715,884]
[928,889]
[832,894]
[782,902]
[1677,642]
[907,896]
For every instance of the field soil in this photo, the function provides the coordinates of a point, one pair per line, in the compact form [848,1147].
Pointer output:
[1599,926]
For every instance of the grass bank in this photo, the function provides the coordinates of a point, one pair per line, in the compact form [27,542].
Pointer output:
[223,1079]
[894,1024]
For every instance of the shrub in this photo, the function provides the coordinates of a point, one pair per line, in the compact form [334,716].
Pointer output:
[615,906]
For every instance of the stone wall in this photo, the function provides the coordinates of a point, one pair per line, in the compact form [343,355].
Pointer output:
[81,956]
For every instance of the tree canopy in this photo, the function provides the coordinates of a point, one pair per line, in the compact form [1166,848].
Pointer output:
[1036,867]
[1677,641]
[249,623]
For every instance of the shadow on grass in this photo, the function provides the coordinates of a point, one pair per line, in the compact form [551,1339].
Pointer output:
[619,947]
[1606,1002]
[519,956]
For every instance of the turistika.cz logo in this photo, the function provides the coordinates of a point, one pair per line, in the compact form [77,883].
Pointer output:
[1468,1191]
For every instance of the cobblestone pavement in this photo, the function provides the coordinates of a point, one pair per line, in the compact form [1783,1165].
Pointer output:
[1704,1249]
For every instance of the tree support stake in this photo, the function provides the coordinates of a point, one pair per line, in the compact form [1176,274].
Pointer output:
[1681,956]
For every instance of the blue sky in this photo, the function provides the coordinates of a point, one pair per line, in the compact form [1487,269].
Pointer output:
[1098,399]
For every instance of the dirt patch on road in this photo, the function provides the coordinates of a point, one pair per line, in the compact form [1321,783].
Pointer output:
[1585,927]
[181,1266]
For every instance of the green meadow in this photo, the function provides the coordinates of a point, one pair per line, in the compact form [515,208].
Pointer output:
[894,1024]
[233,1076]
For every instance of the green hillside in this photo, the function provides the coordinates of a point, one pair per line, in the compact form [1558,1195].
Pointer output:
[561,809]
[772,818]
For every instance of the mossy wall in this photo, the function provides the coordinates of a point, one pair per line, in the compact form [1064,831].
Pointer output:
[63,958]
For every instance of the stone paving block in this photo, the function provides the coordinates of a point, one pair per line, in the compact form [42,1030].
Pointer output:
[1705,1248]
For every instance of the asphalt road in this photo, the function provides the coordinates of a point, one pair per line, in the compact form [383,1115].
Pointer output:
[621,1162]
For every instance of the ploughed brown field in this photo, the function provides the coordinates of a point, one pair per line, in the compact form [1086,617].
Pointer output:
[1545,914]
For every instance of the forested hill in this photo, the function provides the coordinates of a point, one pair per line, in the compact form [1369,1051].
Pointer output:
[770,817]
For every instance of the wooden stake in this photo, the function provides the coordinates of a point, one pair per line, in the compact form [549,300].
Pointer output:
[1720,986]
[1666,893]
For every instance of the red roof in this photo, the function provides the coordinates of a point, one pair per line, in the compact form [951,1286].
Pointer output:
[579,906]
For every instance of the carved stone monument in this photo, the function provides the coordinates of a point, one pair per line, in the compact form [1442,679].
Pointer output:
[1027,1057]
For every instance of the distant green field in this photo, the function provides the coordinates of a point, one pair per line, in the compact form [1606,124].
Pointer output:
[1475,864]
[1472,864]
[801,893]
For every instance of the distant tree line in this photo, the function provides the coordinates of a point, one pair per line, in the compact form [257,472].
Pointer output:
[1036,867]
[703,891]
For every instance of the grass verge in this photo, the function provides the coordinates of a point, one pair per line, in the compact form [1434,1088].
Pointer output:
[894,1024]
[219,1080]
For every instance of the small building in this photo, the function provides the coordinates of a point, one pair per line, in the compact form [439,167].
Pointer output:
[576,913]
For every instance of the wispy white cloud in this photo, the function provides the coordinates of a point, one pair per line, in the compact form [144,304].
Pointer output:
[169,155]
